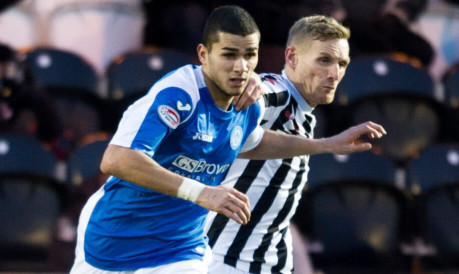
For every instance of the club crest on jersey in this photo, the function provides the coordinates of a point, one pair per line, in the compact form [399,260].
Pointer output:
[169,116]
[236,137]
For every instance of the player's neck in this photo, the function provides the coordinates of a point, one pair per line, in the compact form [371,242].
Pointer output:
[221,98]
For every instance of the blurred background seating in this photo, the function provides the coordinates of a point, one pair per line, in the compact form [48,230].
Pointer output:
[31,201]
[397,95]
[355,214]
[435,177]
[73,84]
[130,75]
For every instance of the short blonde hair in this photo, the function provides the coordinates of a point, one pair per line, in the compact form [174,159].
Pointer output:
[316,27]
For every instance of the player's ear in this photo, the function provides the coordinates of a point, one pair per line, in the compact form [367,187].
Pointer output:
[291,57]
[202,53]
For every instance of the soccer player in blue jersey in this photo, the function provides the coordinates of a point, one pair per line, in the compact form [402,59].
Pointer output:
[172,149]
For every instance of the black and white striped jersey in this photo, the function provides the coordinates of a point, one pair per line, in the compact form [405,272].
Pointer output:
[274,188]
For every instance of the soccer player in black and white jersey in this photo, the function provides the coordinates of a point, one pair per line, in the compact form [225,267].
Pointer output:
[316,58]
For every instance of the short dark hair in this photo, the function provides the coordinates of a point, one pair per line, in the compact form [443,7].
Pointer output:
[230,19]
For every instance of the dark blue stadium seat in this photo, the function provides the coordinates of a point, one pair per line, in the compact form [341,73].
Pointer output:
[20,154]
[326,168]
[381,74]
[56,68]
[73,83]
[354,215]
[133,73]
[84,162]
[31,201]
[397,95]
[436,174]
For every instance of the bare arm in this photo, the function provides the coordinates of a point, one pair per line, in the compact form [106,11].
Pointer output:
[277,145]
[136,167]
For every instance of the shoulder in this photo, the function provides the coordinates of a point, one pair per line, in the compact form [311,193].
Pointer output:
[173,97]
[184,78]
[182,84]
[277,92]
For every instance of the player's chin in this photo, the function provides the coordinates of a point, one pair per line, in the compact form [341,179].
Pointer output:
[328,99]
[235,91]
[327,102]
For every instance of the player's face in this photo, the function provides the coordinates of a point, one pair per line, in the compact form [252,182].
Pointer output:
[229,64]
[319,69]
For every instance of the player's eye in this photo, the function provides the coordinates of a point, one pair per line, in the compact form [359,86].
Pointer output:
[324,60]
[229,55]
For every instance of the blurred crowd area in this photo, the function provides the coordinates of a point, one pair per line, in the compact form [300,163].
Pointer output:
[425,30]
[69,68]
[103,33]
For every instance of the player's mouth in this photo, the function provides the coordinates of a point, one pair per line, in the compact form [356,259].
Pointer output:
[237,81]
[329,88]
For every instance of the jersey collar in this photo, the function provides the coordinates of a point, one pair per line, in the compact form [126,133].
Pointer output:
[305,107]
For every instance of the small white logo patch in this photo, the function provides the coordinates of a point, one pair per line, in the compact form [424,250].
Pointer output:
[182,107]
[236,137]
[203,137]
[169,116]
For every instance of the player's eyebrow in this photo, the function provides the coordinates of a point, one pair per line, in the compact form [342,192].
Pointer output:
[236,49]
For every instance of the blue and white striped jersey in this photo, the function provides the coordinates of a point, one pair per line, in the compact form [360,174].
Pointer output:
[177,124]
[274,187]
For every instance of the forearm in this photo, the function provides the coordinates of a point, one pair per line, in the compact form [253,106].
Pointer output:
[278,145]
[136,167]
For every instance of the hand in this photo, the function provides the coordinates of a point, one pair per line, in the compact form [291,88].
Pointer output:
[253,91]
[350,140]
[227,201]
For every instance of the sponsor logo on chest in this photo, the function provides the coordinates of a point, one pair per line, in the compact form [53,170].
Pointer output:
[199,166]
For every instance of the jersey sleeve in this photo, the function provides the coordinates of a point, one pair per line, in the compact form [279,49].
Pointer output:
[257,134]
[148,121]
[276,96]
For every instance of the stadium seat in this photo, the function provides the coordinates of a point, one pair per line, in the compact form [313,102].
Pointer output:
[30,201]
[364,166]
[437,165]
[436,174]
[20,154]
[55,68]
[382,75]
[84,162]
[73,84]
[354,215]
[131,75]
[397,95]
